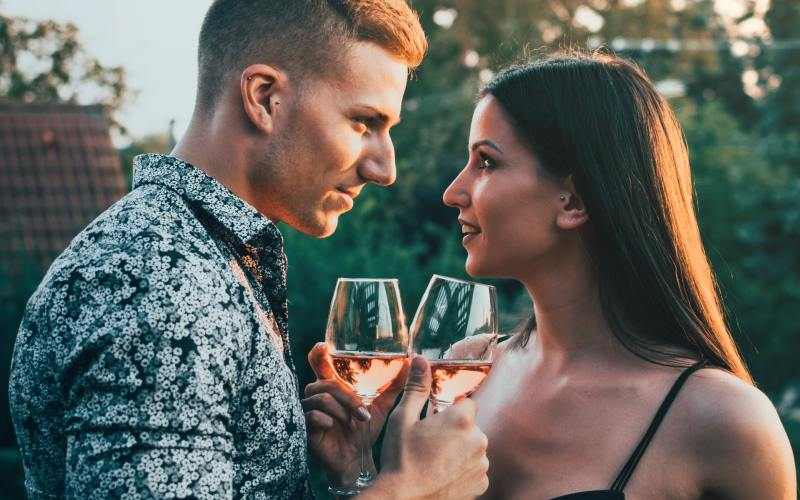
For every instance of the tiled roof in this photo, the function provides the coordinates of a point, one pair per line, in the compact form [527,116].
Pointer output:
[58,171]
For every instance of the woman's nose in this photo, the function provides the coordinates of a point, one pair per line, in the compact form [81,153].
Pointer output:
[455,195]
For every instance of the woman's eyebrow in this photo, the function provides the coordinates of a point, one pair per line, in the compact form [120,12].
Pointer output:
[485,142]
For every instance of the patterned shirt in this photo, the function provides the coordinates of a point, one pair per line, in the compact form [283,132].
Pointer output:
[153,359]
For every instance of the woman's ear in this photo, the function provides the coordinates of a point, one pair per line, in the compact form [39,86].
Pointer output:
[263,87]
[572,211]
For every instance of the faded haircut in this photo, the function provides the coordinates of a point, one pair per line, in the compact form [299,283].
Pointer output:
[304,38]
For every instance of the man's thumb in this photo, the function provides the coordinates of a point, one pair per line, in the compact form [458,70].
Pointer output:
[417,389]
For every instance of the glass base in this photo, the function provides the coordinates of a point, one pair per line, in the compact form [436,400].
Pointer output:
[363,482]
[343,491]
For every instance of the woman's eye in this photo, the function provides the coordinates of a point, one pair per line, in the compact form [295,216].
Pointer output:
[486,163]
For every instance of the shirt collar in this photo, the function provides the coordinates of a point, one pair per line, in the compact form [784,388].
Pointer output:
[189,181]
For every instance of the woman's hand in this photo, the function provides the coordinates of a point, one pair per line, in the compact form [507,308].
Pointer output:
[479,346]
[335,417]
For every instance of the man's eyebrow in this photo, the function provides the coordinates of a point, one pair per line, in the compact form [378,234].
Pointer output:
[485,142]
[384,118]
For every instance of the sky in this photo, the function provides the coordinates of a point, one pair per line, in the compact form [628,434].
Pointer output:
[154,40]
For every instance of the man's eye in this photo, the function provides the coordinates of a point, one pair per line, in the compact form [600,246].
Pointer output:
[367,121]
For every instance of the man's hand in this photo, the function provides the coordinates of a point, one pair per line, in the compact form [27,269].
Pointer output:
[335,418]
[442,457]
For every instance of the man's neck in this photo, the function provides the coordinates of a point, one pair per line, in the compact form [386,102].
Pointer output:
[204,146]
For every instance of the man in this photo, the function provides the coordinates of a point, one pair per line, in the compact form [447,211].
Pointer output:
[153,360]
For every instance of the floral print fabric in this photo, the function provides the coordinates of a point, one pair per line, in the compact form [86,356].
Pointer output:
[153,359]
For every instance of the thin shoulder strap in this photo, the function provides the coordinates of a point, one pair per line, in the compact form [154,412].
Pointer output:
[633,461]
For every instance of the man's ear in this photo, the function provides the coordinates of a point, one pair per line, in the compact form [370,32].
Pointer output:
[572,211]
[263,87]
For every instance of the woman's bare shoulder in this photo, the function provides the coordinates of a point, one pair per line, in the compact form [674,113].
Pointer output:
[718,400]
[734,429]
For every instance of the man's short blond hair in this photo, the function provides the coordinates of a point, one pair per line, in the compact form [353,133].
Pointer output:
[303,37]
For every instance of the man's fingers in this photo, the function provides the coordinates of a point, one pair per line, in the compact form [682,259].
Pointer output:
[462,412]
[342,394]
[320,360]
[478,475]
[328,405]
[415,393]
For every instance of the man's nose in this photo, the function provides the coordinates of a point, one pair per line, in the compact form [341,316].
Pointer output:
[380,167]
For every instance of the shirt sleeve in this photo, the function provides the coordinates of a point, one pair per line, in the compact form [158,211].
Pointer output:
[147,377]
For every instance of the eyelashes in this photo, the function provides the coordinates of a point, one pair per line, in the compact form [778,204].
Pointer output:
[486,162]
[369,122]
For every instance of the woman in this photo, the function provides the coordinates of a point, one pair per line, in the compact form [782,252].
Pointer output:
[626,381]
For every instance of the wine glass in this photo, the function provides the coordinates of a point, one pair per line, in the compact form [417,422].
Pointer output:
[368,338]
[455,328]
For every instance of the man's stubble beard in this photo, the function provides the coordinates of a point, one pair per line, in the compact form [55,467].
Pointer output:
[287,194]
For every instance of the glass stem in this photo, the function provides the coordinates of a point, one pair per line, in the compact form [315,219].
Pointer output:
[439,405]
[365,474]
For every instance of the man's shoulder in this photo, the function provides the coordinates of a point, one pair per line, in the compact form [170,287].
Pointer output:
[148,221]
[148,235]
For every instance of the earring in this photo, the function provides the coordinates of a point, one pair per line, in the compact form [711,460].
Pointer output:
[562,197]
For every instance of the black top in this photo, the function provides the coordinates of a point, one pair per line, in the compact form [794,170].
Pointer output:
[617,487]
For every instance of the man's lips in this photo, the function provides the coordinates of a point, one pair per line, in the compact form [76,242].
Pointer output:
[352,193]
[348,195]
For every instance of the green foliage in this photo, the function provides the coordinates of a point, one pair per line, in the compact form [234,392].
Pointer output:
[43,61]
[751,224]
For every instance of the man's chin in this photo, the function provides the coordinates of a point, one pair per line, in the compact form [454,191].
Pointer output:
[319,228]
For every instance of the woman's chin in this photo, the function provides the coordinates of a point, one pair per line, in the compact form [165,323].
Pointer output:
[474,268]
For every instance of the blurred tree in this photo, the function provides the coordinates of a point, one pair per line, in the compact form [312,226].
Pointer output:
[751,225]
[779,75]
[45,61]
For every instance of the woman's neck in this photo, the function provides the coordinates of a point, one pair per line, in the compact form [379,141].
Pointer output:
[570,325]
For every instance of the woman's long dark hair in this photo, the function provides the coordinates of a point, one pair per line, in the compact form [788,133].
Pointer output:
[598,118]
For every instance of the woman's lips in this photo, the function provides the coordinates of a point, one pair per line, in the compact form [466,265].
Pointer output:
[469,231]
[468,237]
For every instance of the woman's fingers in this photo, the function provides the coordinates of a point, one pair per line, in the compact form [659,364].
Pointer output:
[318,421]
[321,362]
[327,404]
[343,395]
[473,347]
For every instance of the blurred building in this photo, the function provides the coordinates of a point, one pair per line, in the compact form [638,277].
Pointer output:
[58,171]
